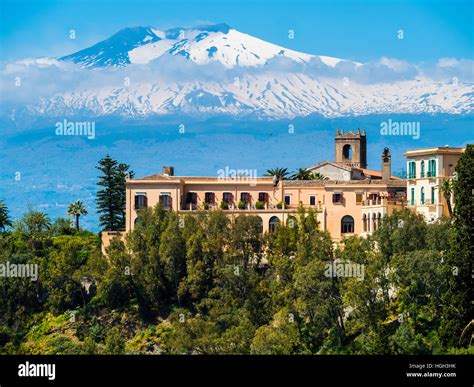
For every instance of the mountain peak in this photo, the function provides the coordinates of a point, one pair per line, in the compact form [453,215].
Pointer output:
[201,44]
[114,50]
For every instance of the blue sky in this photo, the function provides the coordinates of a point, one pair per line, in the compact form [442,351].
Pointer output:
[357,30]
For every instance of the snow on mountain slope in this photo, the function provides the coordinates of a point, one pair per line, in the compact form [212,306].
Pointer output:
[268,95]
[202,45]
[114,51]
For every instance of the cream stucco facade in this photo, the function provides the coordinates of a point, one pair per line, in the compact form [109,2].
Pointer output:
[427,170]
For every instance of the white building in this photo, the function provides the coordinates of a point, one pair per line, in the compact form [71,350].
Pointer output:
[427,169]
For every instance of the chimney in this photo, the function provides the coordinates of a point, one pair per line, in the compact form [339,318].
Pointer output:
[167,171]
[386,164]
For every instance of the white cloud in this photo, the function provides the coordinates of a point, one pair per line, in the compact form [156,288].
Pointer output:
[46,77]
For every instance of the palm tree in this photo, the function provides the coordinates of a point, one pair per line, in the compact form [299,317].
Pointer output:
[77,209]
[4,218]
[36,225]
[446,188]
[317,176]
[279,173]
[302,174]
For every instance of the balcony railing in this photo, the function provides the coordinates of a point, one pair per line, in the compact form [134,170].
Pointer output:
[382,202]
[373,202]
[248,207]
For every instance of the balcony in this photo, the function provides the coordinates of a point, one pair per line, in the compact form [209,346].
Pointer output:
[373,202]
[249,208]
[426,203]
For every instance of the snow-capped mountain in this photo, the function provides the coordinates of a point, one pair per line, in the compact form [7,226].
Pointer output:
[202,45]
[273,82]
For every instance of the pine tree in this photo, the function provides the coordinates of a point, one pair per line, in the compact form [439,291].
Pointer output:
[122,173]
[111,199]
[4,218]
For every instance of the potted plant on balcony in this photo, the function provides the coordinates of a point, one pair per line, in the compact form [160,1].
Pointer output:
[206,206]
[224,205]
[241,205]
[279,205]
[259,205]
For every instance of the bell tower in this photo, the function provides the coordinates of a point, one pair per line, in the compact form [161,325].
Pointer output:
[386,164]
[351,148]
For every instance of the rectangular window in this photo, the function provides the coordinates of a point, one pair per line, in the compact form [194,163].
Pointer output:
[412,174]
[191,198]
[312,200]
[412,196]
[358,198]
[227,197]
[141,201]
[432,195]
[165,200]
[262,197]
[431,168]
[209,197]
[337,198]
[245,197]
[287,200]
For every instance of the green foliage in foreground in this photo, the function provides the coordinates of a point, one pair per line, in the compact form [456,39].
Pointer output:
[203,285]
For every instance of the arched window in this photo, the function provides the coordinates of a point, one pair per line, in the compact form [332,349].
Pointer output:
[347,152]
[422,173]
[374,222]
[379,219]
[273,223]
[422,199]
[364,220]
[347,224]
[433,195]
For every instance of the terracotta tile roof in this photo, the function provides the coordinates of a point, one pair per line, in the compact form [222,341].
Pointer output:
[160,177]
[371,172]
[325,183]
[334,163]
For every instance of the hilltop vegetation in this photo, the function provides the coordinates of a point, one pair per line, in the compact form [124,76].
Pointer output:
[200,284]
